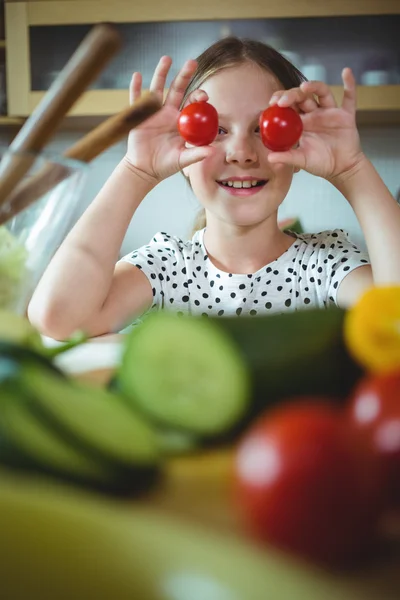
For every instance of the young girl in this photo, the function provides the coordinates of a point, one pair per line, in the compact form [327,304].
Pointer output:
[240,263]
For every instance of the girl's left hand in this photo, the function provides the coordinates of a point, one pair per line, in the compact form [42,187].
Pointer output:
[330,145]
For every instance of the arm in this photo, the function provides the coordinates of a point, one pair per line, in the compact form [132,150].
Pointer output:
[82,288]
[379,216]
[330,148]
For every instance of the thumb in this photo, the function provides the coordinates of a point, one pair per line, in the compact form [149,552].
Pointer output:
[189,156]
[294,157]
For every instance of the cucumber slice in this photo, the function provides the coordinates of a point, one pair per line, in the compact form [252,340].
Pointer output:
[13,357]
[27,442]
[185,373]
[94,419]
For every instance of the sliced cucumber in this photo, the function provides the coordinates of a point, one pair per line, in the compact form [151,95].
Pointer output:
[185,373]
[26,442]
[14,357]
[94,419]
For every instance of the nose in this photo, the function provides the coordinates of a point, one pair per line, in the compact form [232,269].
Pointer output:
[241,150]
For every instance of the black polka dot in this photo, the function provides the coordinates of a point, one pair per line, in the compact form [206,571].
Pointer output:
[185,298]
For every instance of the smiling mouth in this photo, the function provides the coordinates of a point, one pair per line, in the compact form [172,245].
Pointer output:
[247,184]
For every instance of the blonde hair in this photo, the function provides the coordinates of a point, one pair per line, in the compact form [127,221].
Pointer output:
[233,51]
[199,222]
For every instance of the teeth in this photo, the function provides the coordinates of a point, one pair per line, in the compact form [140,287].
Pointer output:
[240,184]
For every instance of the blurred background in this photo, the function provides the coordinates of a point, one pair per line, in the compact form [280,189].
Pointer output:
[38,40]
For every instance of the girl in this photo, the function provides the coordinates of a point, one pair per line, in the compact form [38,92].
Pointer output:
[240,262]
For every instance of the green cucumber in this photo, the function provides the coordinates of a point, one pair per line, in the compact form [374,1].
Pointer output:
[294,354]
[93,418]
[13,357]
[184,373]
[26,442]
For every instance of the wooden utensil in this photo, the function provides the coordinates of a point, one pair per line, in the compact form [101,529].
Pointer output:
[97,48]
[108,133]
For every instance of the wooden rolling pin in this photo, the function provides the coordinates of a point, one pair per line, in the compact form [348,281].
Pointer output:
[97,48]
[109,132]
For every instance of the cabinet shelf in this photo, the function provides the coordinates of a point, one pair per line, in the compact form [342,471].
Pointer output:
[11,121]
[375,104]
[63,12]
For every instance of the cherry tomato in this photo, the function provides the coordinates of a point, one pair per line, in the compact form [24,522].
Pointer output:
[305,487]
[198,123]
[374,411]
[280,128]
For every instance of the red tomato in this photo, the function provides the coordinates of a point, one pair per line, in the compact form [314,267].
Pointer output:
[374,412]
[280,127]
[198,123]
[304,487]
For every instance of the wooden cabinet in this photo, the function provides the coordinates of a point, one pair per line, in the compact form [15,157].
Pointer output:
[54,23]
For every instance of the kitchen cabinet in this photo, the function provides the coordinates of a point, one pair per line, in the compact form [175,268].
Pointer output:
[41,36]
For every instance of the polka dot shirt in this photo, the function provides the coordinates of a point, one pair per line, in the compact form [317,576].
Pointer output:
[308,274]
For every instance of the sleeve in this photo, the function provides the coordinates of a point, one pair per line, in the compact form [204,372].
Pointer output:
[156,260]
[340,257]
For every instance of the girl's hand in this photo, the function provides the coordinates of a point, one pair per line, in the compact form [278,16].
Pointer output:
[330,145]
[155,148]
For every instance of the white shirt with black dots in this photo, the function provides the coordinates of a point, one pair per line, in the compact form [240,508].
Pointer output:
[308,274]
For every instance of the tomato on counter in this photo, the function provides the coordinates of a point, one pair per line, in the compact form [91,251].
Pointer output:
[198,123]
[280,127]
[304,486]
[374,412]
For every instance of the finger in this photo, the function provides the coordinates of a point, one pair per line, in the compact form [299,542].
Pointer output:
[179,84]
[197,96]
[294,157]
[349,102]
[309,105]
[322,91]
[296,98]
[135,87]
[189,156]
[275,97]
[159,78]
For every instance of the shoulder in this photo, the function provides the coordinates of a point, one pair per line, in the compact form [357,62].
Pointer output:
[332,237]
[162,246]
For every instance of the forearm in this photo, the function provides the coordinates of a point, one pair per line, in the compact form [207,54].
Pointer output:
[379,216]
[77,281]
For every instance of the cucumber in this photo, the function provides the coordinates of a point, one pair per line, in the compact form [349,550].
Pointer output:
[92,418]
[51,424]
[13,357]
[26,442]
[170,441]
[294,354]
[184,373]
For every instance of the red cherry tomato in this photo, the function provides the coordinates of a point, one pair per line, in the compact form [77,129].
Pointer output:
[374,411]
[280,127]
[198,123]
[304,487]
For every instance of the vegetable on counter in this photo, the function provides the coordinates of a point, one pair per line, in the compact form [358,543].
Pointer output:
[374,413]
[306,486]
[51,424]
[58,544]
[372,329]
[184,373]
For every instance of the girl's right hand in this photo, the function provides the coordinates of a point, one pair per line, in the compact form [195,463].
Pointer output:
[155,147]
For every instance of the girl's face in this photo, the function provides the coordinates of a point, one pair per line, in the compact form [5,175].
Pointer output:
[237,184]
